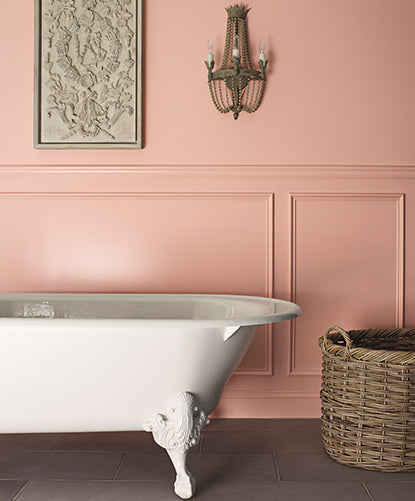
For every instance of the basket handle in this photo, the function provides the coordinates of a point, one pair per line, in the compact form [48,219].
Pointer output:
[343,333]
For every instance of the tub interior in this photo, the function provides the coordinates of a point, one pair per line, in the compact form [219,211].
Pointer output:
[160,308]
[114,310]
[138,307]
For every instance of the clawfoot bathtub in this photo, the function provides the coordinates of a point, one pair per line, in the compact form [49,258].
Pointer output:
[118,362]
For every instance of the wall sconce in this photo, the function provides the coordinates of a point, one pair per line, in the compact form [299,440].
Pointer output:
[236,86]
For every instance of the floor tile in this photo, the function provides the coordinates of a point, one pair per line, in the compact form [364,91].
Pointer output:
[150,467]
[204,467]
[286,492]
[96,491]
[29,441]
[9,489]
[262,441]
[233,467]
[59,465]
[236,462]
[295,425]
[110,441]
[220,424]
[236,491]
[396,491]
[321,467]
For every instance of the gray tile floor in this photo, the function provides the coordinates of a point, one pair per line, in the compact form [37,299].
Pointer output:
[237,459]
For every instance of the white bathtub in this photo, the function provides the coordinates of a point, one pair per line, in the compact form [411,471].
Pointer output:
[113,362]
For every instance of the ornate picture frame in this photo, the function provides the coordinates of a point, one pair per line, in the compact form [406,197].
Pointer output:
[87,74]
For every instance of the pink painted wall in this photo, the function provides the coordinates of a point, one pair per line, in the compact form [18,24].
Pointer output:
[310,198]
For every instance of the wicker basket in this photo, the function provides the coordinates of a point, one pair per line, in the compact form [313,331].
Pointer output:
[368,397]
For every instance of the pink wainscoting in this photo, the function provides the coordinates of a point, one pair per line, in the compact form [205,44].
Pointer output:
[351,245]
[312,198]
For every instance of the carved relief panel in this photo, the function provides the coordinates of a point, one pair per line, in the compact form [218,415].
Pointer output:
[87,74]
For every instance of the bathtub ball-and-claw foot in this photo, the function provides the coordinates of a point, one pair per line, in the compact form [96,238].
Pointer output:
[185,484]
[177,430]
[185,487]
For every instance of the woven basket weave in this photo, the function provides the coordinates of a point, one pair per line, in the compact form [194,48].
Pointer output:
[368,397]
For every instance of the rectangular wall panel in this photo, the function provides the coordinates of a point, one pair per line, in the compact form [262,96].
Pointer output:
[347,267]
[141,242]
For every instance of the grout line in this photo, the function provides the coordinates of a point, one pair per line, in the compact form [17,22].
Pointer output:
[365,487]
[119,465]
[60,442]
[85,480]
[274,457]
[16,496]
[132,481]
[77,451]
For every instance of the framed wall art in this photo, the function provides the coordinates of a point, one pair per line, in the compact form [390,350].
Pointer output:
[87,74]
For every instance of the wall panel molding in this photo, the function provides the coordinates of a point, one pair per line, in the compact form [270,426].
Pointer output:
[334,171]
[398,199]
[269,394]
[267,198]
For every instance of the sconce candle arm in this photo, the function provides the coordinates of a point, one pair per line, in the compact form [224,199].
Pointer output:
[209,66]
[262,67]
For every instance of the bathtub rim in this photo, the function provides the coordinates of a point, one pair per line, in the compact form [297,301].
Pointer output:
[290,311]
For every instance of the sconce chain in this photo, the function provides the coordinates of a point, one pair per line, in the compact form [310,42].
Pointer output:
[244,38]
[226,54]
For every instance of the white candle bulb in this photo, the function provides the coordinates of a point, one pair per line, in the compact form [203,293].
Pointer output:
[262,56]
[210,48]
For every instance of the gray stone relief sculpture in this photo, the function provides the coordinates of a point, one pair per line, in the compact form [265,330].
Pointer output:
[88,73]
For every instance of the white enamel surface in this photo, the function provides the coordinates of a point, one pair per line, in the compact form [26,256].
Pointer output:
[229,331]
[150,309]
[61,370]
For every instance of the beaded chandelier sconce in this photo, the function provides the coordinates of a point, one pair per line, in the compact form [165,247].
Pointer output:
[236,86]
